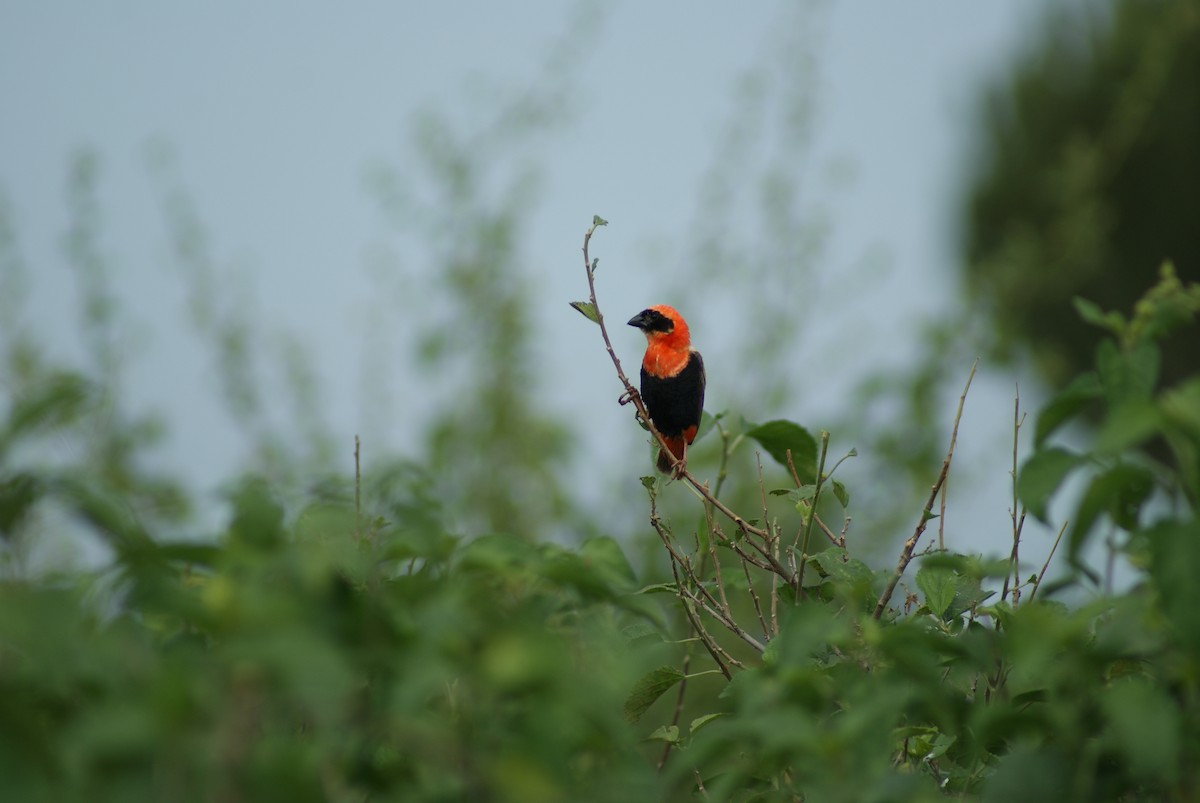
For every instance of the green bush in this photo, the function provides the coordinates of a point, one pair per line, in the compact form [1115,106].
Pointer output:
[355,648]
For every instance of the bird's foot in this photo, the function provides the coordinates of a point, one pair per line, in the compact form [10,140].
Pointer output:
[679,468]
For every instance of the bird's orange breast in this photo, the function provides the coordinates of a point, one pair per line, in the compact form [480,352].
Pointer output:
[663,361]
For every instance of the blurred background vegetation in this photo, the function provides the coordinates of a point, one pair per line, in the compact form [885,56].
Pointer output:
[460,625]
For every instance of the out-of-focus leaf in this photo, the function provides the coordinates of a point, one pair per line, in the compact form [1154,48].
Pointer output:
[257,517]
[1145,726]
[55,402]
[1128,425]
[18,493]
[196,554]
[649,688]
[1041,475]
[1174,566]
[664,733]
[1127,376]
[603,552]
[1119,492]
[777,437]
[1090,311]
[1066,405]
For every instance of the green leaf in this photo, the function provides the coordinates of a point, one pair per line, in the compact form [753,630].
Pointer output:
[18,493]
[598,570]
[700,722]
[1091,313]
[665,733]
[1128,425]
[939,586]
[843,496]
[1181,407]
[651,686]
[1066,405]
[497,552]
[848,575]
[598,221]
[1119,492]
[1174,567]
[1145,726]
[587,309]
[54,403]
[777,437]
[602,552]
[1129,375]
[1041,476]
[1029,773]
[636,631]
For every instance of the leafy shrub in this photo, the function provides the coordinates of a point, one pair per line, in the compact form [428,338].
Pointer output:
[356,649]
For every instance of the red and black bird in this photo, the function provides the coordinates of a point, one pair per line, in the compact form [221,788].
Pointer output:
[672,381]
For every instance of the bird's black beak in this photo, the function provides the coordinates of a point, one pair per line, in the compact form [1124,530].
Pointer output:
[641,320]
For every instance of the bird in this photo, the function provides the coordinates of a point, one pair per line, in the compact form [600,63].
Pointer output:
[672,383]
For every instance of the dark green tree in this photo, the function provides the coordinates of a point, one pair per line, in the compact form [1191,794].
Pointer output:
[1088,177]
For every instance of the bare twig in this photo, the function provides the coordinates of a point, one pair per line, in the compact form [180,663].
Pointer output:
[712,550]
[701,596]
[719,656]
[812,514]
[910,545]
[767,633]
[1045,566]
[821,524]
[1018,520]
[687,664]
[357,491]
[772,548]
[729,623]
[942,518]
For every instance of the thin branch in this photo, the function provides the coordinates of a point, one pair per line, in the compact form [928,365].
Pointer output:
[1018,521]
[357,491]
[812,515]
[1042,574]
[729,623]
[910,545]
[757,607]
[719,656]
[942,518]
[720,580]
[821,524]
[687,663]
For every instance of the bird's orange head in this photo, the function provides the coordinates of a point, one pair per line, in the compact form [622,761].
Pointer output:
[668,341]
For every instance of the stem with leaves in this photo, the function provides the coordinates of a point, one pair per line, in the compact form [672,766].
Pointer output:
[906,554]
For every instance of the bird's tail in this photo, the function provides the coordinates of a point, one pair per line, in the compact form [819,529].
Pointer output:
[678,446]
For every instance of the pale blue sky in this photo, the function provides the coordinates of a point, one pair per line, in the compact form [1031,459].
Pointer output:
[275,112]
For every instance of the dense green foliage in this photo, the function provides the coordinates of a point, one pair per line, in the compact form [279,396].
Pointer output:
[354,649]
